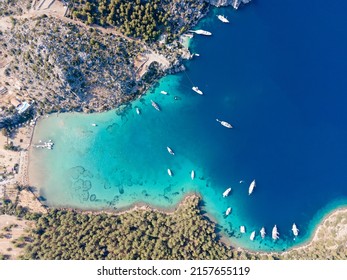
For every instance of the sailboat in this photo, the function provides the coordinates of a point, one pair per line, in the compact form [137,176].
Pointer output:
[251,187]
[224,123]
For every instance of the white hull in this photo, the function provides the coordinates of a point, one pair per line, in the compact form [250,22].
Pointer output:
[251,187]
[138,111]
[192,175]
[295,230]
[169,172]
[262,232]
[226,192]
[224,123]
[223,19]
[155,105]
[228,211]
[242,229]
[163,92]
[201,32]
[252,235]
[170,151]
[197,90]
[94,124]
[275,234]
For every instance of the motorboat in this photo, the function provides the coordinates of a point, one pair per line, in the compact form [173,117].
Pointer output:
[138,111]
[222,18]
[252,236]
[201,32]
[197,90]
[295,230]
[228,211]
[226,192]
[169,172]
[192,175]
[163,92]
[242,229]
[171,152]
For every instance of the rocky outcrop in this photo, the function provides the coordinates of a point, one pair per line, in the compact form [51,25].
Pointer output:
[234,3]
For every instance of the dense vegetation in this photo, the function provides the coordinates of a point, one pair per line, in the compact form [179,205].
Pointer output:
[139,234]
[148,234]
[140,18]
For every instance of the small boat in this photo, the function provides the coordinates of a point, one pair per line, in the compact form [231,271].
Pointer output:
[226,192]
[155,105]
[196,54]
[241,181]
[275,233]
[262,232]
[201,32]
[224,123]
[94,124]
[163,92]
[192,175]
[169,172]
[251,187]
[222,18]
[228,211]
[295,230]
[138,111]
[242,229]
[171,152]
[236,4]
[252,235]
[197,90]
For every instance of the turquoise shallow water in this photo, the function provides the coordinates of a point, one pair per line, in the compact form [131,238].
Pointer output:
[277,76]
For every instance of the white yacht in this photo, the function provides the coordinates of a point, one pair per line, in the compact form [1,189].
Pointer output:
[163,92]
[228,211]
[224,123]
[262,232]
[201,32]
[252,235]
[138,111]
[169,172]
[196,54]
[251,187]
[275,234]
[236,4]
[226,192]
[171,152]
[155,105]
[192,175]
[197,90]
[242,229]
[295,230]
[222,18]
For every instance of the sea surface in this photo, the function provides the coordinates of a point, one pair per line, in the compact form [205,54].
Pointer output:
[277,73]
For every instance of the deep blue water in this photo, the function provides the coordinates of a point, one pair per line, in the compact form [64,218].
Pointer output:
[277,74]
